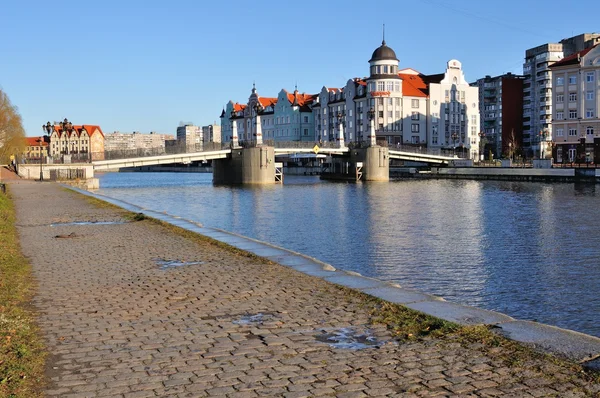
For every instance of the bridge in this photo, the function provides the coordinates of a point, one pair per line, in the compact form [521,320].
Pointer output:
[186,158]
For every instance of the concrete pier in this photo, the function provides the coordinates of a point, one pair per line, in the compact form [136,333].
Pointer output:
[246,166]
[375,160]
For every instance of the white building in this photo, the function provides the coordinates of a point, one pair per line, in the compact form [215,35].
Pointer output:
[576,83]
[408,108]
[118,141]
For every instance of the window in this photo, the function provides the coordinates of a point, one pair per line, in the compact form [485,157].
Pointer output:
[385,69]
[589,130]
[560,81]
[572,132]
[572,97]
[414,103]
[414,116]
[396,86]
[572,114]
[380,86]
[414,128]
[350,113]
[390,86]
[559,132]
[573,79]
[380,101]
[390,114]
[589,113]
[306,118]
[560,98]
[589,95]
[391,101]
[589,77]
[560,115]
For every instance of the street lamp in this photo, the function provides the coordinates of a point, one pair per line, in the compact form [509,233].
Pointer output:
[66,126]
[340,118]
[371,117]
[47,129]
[258,130]
[454,137]
[481,137]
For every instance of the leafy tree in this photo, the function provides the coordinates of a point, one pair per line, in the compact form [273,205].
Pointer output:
[11,129]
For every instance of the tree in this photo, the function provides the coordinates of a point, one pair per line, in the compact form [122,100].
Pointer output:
[12,133]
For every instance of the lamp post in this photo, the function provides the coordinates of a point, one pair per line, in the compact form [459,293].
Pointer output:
[340,119]
[66,126]
[454,137]
[47,129]
[258,129]
[371,117]
[481,135]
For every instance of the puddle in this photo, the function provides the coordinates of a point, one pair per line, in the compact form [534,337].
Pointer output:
[167,264]
[58,224]
[349,338]
[256,319]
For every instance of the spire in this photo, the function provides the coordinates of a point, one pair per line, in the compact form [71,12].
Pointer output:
[253,87]
[383,41]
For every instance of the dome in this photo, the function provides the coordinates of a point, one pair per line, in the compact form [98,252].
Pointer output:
[383,52]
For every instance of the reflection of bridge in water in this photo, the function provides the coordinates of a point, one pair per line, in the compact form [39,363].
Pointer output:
[433,157]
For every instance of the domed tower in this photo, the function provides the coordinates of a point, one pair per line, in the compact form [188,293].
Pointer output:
[383,62]
[384,98]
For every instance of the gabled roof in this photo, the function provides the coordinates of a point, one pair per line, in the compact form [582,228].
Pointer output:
[303,99]
[413,85]
[572,59]
[238,107]
[90,128]
[34,141]
[266,101]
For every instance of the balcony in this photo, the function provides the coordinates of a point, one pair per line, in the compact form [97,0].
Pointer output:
[527,113]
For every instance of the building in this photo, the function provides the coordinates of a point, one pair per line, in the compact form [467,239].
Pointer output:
[211,134]
[408,108]
[136,141]
[189,137]
[501,114]
[576,83]
[71,143]
[537,86]
[36,148]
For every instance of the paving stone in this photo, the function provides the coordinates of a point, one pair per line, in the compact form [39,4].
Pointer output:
[126,328]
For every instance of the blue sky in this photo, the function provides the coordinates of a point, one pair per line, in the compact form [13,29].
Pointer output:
[148,65]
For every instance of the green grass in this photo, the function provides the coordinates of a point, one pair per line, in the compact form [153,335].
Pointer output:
[22,353]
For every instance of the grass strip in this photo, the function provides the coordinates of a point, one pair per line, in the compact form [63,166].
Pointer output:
[22,353]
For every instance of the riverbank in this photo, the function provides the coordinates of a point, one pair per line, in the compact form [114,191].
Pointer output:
[133,307]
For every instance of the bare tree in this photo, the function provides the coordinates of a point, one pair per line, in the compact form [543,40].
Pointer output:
[513,144]
[11,130]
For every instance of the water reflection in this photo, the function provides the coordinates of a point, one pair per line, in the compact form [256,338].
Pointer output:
[526,249]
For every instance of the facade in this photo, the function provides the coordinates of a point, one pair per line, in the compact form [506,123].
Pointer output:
[537,86]
[154,142]
[211,134]
[576,83]
[79,143]
[189,137]
[36,148]
[408,108]
[501,114]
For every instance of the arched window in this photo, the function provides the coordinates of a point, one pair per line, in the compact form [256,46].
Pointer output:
[589,130]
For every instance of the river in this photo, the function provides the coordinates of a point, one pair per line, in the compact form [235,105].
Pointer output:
[529,250]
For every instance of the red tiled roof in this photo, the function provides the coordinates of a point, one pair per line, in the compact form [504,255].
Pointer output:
[238,107]
[267,101]
[413,85]
[90,128]
[34,141]
[303,99]
[572,59]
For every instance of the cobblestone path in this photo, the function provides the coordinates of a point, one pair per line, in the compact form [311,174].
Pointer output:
[119,322]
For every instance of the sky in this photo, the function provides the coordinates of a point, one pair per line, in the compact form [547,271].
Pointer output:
[149,65]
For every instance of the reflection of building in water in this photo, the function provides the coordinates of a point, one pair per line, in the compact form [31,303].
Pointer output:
[406,106]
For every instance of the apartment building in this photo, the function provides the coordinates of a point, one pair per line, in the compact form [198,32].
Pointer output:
[537,87]
[136,141]
[576,83]
[501,114]
[189,137]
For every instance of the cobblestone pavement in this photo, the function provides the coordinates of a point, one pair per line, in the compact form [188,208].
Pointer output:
[117,323]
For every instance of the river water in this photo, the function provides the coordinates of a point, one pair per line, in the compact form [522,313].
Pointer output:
[529,250]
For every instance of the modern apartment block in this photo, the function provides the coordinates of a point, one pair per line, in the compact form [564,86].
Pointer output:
[537,86]
[407,108]
[576,83]
[117,141]
[189,137]
[501,113]
[211,133]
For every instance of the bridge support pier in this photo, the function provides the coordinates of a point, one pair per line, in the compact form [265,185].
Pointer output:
[246,166]
[375,160]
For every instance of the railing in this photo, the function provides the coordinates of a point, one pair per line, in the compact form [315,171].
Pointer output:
[67,174]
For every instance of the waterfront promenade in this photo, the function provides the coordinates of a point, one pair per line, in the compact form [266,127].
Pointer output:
[120,320]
